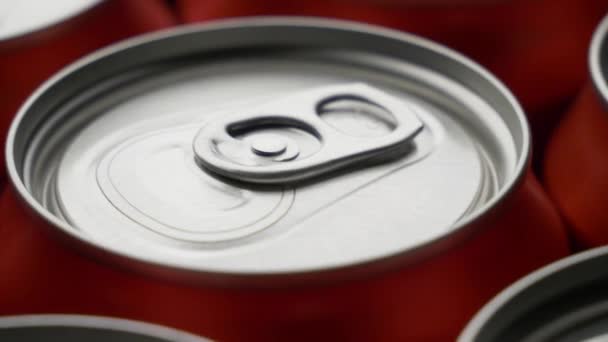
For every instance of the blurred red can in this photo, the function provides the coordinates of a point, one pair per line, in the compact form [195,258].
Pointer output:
[37,38]
[538,48]
[425,209]
[564,301]
[575,165]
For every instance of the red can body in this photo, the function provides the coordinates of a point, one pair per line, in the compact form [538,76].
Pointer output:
[27,60]
[538,48]
[427,301]
[575,167]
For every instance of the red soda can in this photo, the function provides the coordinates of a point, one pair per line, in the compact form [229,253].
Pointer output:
[574,172]
[273,179]
[37,38]
[538,48]
[564,301]
[33,328]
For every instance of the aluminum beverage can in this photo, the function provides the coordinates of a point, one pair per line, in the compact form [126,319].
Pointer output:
[573,165]
[37,38]
[49,327]
[562,302]
[537,48]
[272,179]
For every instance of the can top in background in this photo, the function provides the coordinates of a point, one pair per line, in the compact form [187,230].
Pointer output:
[563,302]
[19,18]
[86,328]
[268,148]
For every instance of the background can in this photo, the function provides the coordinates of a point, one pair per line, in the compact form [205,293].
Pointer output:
[574,165]
[37,39]
[28,328]
[403,295]
[565,301]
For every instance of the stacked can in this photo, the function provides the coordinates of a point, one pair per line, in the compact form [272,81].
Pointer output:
[37,38]
[563,302]
[273,179]
[575,169]
[538,48]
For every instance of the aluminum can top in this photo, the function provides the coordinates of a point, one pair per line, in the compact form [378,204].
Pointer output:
[268,147]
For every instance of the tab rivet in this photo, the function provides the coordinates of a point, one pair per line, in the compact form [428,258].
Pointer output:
[268,145]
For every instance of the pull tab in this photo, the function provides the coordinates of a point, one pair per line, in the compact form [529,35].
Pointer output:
[269,158]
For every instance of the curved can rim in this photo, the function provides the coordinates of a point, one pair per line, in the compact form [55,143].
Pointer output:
[97,322]
[596,52]
[123,256]
[475,327]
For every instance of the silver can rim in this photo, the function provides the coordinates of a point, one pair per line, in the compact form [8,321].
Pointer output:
[97,322]
[122,256]
[596,52]
[476,326]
